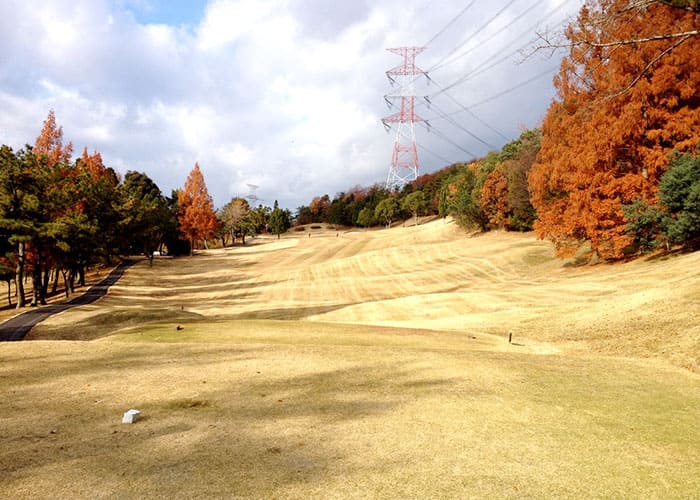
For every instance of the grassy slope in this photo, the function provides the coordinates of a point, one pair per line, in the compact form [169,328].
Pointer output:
[428,277]
[368,365]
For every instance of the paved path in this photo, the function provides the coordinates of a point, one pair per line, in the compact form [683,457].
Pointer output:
[17,328]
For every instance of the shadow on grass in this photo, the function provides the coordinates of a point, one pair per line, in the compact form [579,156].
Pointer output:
[248,435]
[17,328]
[288,313]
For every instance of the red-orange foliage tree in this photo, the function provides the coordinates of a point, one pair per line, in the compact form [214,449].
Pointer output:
[50,143]
[606,142]
[94,165]
[494,198]
[197,218]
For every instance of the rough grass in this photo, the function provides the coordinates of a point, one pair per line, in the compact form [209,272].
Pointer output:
[371,364]
[269,418]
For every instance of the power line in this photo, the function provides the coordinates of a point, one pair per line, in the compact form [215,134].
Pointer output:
[436,155]
[461,127]
[473,115]
[452,21]
[515,87]
[470,37]
[468,51]
[447,139]
[484,66]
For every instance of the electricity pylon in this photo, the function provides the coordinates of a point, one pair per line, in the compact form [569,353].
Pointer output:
[404,159]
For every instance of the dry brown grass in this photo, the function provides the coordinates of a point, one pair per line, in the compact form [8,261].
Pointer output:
[429,277]
[372,364]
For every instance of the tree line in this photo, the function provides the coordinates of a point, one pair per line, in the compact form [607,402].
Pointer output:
[58,216]
[486,194]
[615,162]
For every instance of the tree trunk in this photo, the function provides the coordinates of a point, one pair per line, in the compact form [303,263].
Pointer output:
[9,293]
[45,284]
[65,281]
[36,286]
[81,274]
[54,285]
[71,280]
[20,275]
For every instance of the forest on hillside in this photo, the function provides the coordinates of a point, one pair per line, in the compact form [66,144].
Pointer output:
[615,162]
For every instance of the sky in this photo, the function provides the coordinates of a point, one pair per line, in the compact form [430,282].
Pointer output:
[285,95]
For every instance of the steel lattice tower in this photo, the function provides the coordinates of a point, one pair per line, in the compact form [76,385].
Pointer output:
[404,160]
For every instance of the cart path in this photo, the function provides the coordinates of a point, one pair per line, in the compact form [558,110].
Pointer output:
[17,328]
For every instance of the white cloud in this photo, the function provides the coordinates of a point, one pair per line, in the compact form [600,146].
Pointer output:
[228,21]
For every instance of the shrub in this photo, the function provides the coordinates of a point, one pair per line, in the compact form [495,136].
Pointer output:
[679,192]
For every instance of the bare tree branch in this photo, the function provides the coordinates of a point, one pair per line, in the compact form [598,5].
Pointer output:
[684,35]
[648,67]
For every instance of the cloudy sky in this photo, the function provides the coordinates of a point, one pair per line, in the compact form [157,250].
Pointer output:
[287,95]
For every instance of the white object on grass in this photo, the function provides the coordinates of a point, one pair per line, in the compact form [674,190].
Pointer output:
[131,416]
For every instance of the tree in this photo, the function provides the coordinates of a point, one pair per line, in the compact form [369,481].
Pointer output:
[257,220]
[680,195]
[366,217]
[320,207]
[49,143]
[174,239]
[144,213]
[599,153]
[494,198]
[7,274]
[415,203]
[386,210]
[94,166]
[608,12]
[197,217]
[303,216]
[505,197]
[280,220]
[461,193]
[21,215]
[232,216]
[645,223]
[7,271]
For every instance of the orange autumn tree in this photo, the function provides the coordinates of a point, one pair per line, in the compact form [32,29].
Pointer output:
[93,164]
[50,143]
[621,110]
[196,217]
[494,198]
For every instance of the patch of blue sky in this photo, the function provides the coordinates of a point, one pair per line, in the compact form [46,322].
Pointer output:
[170,12]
